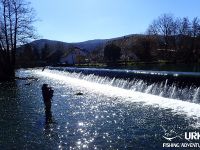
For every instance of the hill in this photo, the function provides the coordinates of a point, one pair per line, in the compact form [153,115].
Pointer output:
[87,45]
[52,51]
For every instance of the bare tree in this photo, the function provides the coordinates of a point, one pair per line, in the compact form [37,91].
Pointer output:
[185,28]
[163,26]
[195,27]
[153,28]
[16,23]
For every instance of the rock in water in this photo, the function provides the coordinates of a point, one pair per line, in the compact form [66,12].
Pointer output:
[79,93]
[28,83]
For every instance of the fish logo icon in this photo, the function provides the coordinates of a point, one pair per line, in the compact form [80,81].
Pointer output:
[170,134]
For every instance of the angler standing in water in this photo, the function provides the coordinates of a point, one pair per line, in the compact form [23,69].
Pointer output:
[47,93]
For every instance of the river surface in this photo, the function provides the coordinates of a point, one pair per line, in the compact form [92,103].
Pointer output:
[104,116]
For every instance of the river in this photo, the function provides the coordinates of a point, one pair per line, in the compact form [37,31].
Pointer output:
[111,113]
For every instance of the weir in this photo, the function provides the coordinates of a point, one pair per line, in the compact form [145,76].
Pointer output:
[175,85]
[136,90]
[181,79]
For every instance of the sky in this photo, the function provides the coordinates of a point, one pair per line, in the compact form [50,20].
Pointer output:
[82,20]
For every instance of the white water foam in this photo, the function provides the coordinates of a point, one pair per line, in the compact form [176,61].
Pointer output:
[163,89]
[177,106]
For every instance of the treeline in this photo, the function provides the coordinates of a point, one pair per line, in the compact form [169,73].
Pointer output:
[30,55]
[168,39]
[176,39]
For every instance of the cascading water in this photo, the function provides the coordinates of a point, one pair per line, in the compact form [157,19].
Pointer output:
[188,93]
[161,94]
[196,95]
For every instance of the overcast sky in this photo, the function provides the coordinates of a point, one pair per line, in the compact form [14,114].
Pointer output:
[81,20]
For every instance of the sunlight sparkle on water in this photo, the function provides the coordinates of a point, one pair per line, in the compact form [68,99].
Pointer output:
[190,109]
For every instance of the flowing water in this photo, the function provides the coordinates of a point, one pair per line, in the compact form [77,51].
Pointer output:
[111,113]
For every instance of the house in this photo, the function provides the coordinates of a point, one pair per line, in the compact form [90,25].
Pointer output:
[75,56]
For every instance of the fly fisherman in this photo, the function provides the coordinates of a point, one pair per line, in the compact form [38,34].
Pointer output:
[47,93]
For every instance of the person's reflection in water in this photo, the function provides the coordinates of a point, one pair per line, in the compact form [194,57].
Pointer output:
[47,93]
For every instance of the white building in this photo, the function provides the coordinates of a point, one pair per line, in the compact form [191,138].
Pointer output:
[74,56]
